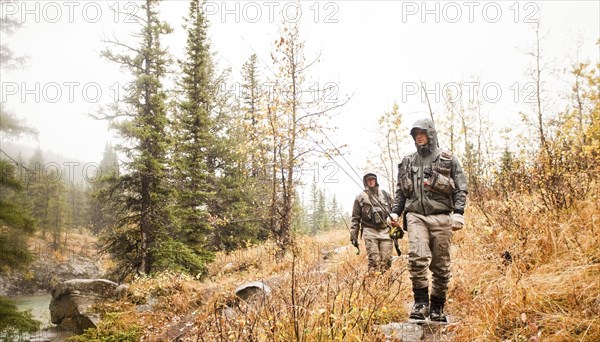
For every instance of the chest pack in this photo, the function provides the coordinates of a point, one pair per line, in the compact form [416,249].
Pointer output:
[378,207]
[437,178]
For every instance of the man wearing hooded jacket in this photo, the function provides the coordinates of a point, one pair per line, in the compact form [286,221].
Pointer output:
[431,192]
[370,211]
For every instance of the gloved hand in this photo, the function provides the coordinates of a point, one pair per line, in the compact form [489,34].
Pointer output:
[353,234]
[392,220]
[457,221]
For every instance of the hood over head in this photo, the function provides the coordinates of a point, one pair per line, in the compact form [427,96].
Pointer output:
[427,126]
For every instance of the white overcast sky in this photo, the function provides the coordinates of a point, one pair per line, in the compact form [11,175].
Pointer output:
[376,51]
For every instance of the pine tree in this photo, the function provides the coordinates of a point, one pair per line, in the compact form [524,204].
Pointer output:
[141,239]
[193,136]
[57,210]
[208,155]
[320,217]
[15,220]
[335,213]
[47,197]
[38,195]
[254,123]
[101,210]
[314,215]
[301,216]
[13,323]
[78,204]
[324,219]
[253,130]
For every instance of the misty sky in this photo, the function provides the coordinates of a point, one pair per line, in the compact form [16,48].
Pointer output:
[376,51]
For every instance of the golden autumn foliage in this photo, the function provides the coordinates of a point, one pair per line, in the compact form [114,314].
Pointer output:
[526,267]
[519,273]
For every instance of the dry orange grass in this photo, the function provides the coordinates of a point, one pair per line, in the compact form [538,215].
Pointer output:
[549,290]
[311,300]
[72,243]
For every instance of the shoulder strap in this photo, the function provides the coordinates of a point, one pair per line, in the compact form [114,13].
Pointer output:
[387,196]
[405,164]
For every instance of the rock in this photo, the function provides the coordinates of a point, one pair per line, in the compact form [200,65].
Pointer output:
[121,291]
[252,291]
[228,267]
[51,334]
[228,312]
[405,332]
[328,254]
[148,306]
[342,249]
[72,299]
[46,272]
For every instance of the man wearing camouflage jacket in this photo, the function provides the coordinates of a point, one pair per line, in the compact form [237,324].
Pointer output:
[369,214]
[431,192]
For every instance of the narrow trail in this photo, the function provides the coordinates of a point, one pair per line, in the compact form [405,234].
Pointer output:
[407,330]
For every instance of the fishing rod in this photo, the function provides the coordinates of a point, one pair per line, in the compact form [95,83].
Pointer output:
[377,201]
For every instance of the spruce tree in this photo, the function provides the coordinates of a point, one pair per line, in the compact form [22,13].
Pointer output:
[208,156]
[314,209]
[324,218]
[78,203]
[38,196]
[101,210]
[58,210]
[254,120]
[336,214]
[15,219]
[47,196]
[141,238]
[193,137]
[255,132]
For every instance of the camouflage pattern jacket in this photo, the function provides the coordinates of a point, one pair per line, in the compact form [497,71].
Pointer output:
[430,181]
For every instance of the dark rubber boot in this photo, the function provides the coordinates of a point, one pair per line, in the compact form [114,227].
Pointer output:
[436,313]
[420,309]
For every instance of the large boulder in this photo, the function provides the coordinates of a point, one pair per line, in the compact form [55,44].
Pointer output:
[45,272]
[255,291]
[71,301]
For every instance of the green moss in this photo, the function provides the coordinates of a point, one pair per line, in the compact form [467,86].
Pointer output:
[110,329]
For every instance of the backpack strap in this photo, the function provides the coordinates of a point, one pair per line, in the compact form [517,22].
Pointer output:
[387,196]
[405,181]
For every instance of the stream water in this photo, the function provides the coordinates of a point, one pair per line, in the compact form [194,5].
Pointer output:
[38,305]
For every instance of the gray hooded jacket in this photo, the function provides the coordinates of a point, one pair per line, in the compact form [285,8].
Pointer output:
[430,181]
[370,211]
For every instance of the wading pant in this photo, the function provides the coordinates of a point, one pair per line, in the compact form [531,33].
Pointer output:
[429,240]
[379,248]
